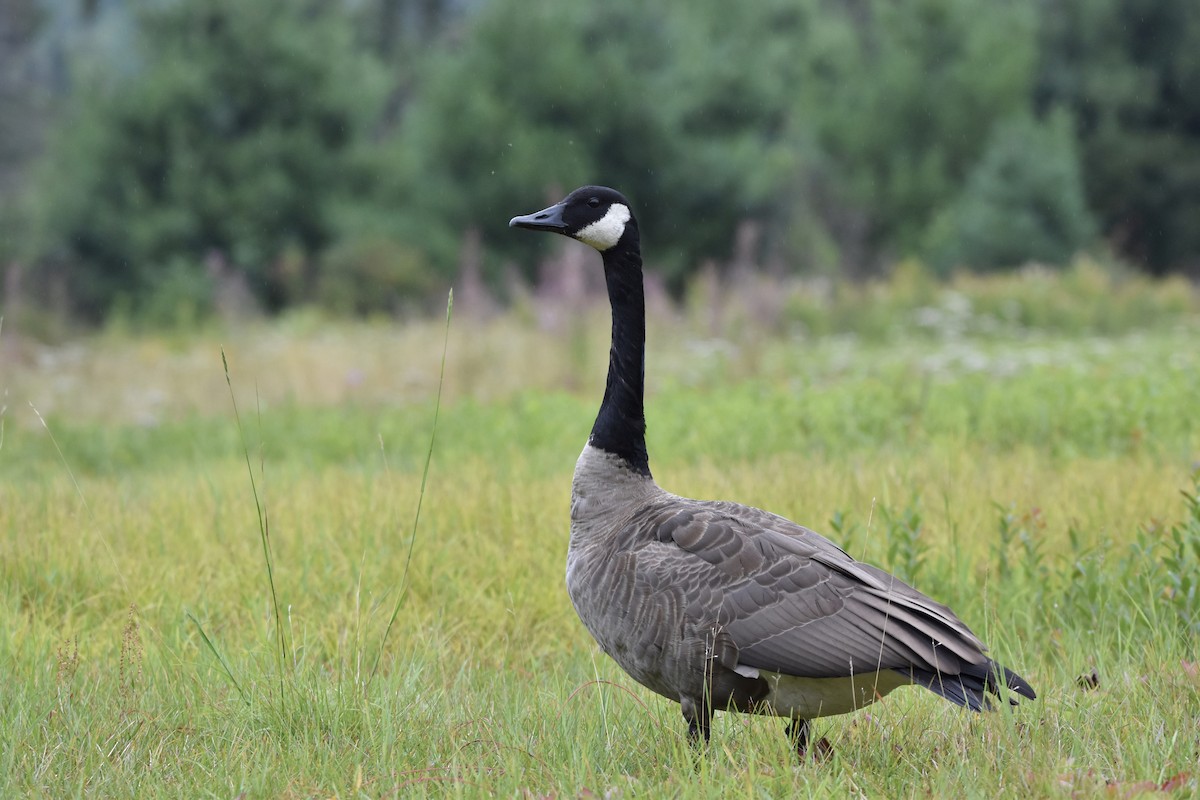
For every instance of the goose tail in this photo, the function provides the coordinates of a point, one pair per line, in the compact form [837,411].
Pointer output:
[973,684]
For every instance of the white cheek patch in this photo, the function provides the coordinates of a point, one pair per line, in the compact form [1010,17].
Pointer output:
[606,231]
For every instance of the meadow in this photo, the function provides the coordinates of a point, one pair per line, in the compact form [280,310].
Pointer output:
[196,602]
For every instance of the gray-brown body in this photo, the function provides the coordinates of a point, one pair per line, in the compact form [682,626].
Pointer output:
[701,599]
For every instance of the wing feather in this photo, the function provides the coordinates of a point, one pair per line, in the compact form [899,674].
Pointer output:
[793,602]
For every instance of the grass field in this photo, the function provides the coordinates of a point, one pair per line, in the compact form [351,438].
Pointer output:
[1032,467]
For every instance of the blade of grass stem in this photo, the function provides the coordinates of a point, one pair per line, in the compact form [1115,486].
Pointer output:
[437,405]
[82,499]
[264,534]
[212,648]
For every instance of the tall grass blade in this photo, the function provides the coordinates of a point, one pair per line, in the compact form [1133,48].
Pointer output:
[212,648]
[82,499]
[264,534]
[412,540]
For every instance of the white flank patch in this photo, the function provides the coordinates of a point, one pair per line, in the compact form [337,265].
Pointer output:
[808,698]
[606,231]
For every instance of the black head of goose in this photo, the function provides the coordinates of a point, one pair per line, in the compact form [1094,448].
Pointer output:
[721,606]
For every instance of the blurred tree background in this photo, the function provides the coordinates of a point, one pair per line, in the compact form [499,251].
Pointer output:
[159,158]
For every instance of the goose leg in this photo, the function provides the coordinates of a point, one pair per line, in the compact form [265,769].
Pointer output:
[797,733]
[699,720]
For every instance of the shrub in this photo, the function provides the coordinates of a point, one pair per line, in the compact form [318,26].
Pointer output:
[1022,202]
[239,130]
[373,275]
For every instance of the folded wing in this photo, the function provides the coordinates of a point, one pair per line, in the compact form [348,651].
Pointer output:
[796,604]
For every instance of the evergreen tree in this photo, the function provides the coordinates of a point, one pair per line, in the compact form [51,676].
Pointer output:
[907,98]
[1128,71]
[240,134]
[1022,202]
[540,97]
[23,117]
[847,126]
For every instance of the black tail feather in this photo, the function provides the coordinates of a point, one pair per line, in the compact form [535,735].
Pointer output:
[973,684]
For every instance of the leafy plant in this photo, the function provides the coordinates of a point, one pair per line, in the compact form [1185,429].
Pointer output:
[1026,535]
[1182,560]
[906,550]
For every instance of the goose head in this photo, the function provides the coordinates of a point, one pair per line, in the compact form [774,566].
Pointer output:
[595,215]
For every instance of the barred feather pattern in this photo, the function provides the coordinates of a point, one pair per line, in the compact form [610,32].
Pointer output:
[721,603]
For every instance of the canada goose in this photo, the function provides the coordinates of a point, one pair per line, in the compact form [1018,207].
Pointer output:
[721,606]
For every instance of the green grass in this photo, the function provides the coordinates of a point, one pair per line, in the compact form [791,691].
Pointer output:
[1031,479]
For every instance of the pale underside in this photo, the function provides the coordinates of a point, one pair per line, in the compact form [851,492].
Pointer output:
[809,698]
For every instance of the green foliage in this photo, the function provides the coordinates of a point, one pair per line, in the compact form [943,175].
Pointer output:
[23,120]
[902,532]
[1182,561]
[239,133]
[1155,567]
[814,121]
[904,98]
[1127,71]
[1085,297]
[179,297]
[341,153]
[1023,201]
[573,94]
[1026,532]
[361,276]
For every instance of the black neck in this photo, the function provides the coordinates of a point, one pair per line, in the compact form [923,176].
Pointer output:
[620,426]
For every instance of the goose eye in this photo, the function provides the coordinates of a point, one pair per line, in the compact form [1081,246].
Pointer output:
[594,202]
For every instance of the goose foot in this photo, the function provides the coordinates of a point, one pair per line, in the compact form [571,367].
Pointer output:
[797,732]
[699,720]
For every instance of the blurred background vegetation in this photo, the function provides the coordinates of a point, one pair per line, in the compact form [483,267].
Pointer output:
[162,161]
